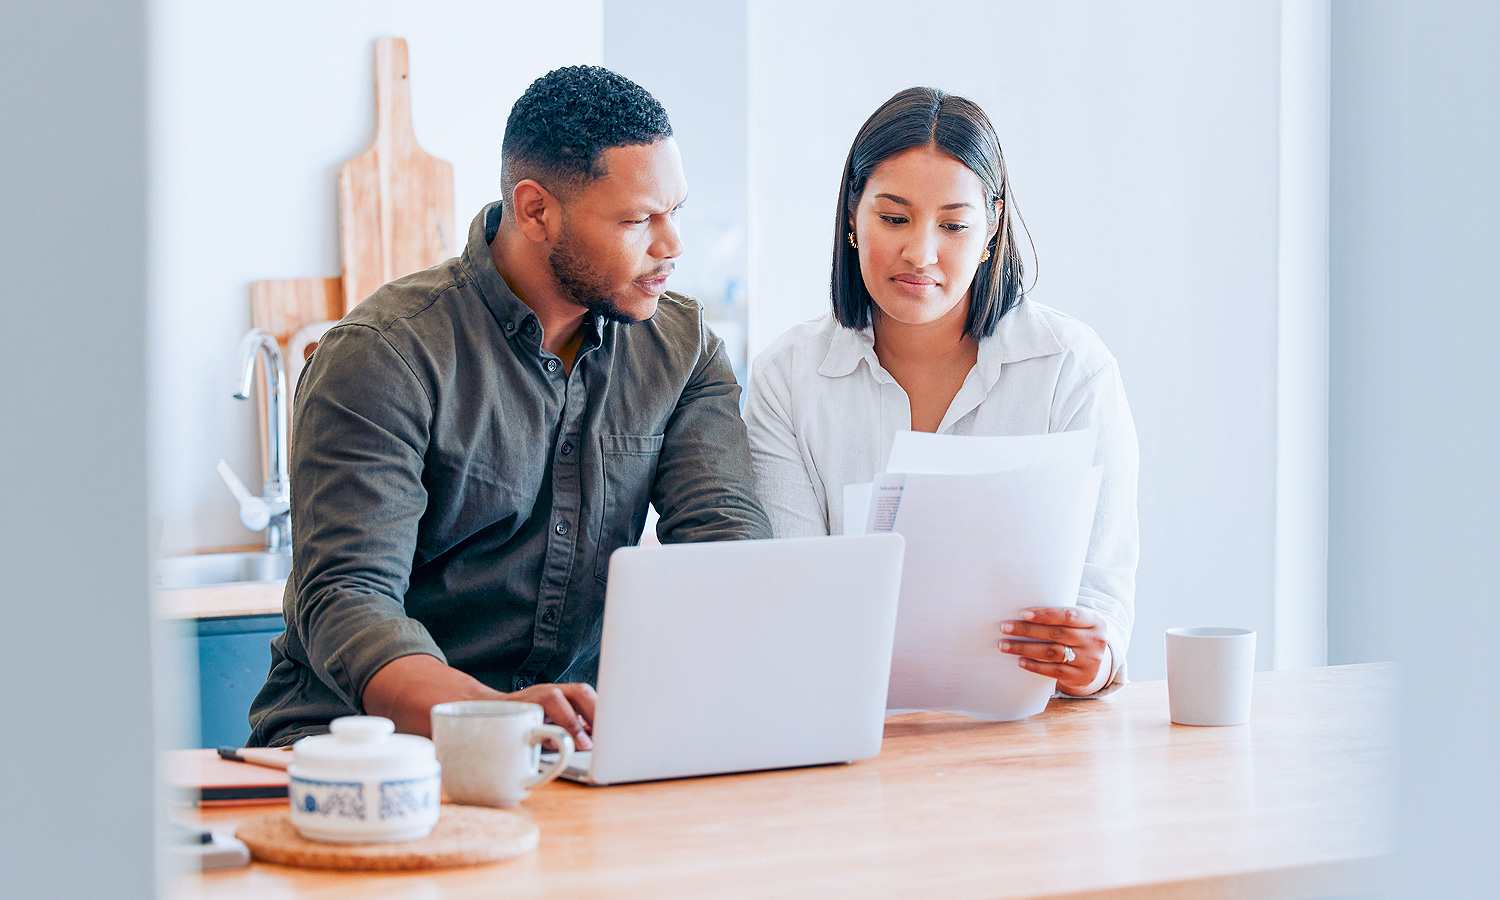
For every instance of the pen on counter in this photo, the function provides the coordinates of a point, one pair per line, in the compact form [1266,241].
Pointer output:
[259,756]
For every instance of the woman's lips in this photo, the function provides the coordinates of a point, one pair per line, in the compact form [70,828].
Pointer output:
[914,284]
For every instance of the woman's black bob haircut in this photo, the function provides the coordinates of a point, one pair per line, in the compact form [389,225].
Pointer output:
[927,117]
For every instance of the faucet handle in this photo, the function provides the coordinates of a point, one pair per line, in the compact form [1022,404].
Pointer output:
[255,513]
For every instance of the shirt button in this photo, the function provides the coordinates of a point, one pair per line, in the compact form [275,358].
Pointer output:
[566,448]
[510,327]
[530,327]
[522,683]
[549,615]
[561,528]
[551,365]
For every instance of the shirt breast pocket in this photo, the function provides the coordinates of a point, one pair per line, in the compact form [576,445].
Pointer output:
[629,473]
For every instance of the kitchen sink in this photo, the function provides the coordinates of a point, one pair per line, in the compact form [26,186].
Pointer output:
[205,569]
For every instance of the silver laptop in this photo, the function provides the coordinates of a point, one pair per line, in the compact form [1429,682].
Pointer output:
[743,655]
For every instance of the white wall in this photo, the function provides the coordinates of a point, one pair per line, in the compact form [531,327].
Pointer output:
[708,112]
[254,106]
[1301,588]
[76,741]
[1142,142]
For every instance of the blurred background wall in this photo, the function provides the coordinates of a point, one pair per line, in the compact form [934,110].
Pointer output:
[1415,410]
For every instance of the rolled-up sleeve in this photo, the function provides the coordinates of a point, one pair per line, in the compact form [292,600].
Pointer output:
[360,432]
[705,486]
[1108,583]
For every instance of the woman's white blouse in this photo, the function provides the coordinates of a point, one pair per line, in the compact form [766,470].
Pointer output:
[822,414]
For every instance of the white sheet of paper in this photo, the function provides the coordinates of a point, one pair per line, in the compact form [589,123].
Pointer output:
[979,549]
[856,507]
[885,500]
[921,453]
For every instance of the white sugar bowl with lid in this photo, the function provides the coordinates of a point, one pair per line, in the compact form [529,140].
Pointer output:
[363,782]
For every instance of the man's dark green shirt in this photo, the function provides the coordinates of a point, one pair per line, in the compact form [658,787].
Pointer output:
[456,492]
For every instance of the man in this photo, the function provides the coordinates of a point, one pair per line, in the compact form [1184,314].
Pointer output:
[473,441]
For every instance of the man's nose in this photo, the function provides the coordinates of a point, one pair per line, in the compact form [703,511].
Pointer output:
[667,242]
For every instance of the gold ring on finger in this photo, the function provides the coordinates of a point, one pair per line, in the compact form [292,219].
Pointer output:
[1068,654]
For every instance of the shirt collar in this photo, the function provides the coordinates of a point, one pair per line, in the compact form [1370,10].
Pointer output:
[1021,334]
[511,314]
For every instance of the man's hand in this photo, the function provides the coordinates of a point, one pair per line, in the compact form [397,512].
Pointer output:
[406,689]
[570,706]
[1055,631]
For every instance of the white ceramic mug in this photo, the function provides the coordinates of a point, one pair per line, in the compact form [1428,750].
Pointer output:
[490,750]
[1209,674]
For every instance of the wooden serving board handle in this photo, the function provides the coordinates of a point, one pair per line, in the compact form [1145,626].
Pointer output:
[395,201]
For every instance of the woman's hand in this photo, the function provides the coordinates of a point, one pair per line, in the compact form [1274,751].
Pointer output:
[1061,629]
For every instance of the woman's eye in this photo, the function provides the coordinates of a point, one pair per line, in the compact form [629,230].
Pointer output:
[955,226]
[893,220]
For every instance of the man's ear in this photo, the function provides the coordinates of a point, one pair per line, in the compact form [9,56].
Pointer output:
[538,213]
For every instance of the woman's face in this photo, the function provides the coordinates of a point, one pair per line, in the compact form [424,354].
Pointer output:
[921,229]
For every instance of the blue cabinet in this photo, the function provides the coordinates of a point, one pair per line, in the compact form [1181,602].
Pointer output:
[234,655]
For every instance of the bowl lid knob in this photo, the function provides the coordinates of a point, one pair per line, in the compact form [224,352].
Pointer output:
[361,729]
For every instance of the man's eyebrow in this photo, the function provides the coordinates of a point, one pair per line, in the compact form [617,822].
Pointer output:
[642,211]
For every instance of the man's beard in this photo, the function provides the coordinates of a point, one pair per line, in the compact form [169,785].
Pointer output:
[583,285]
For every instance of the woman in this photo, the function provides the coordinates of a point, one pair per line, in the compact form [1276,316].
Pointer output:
[931,331]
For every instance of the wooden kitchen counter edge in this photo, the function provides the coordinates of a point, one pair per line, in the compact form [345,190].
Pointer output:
[254,598]
[1090,799]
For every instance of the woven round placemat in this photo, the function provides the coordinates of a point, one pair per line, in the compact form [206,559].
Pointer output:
[463,836]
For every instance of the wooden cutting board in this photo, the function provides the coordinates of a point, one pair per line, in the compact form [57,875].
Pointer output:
[283,306]
[395,217]
[395,201]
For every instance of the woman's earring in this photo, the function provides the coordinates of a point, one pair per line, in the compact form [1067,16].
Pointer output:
[852,242]
[986,256]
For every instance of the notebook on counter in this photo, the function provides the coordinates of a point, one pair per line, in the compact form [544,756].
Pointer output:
[203,778]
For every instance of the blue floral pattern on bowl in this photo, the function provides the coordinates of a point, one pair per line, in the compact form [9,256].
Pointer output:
[336,799]
[408,797]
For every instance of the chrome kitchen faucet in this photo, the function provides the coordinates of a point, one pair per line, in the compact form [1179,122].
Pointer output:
[271,511]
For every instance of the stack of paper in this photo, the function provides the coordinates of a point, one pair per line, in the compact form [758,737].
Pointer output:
[993,525]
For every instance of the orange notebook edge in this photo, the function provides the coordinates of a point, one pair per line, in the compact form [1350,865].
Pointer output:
[203,778]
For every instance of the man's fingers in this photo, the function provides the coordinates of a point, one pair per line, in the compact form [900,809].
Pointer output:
[583,698]
[560,710]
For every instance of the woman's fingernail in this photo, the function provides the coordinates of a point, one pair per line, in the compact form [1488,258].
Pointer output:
[1028,614]
[1005,645]
[1007,627]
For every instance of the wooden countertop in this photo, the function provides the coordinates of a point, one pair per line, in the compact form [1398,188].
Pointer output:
[1090,799]
[255,598]
[216,601]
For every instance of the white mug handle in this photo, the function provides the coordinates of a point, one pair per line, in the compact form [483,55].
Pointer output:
[564,750]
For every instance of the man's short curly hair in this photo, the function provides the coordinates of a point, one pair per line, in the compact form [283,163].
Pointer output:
[558,131]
